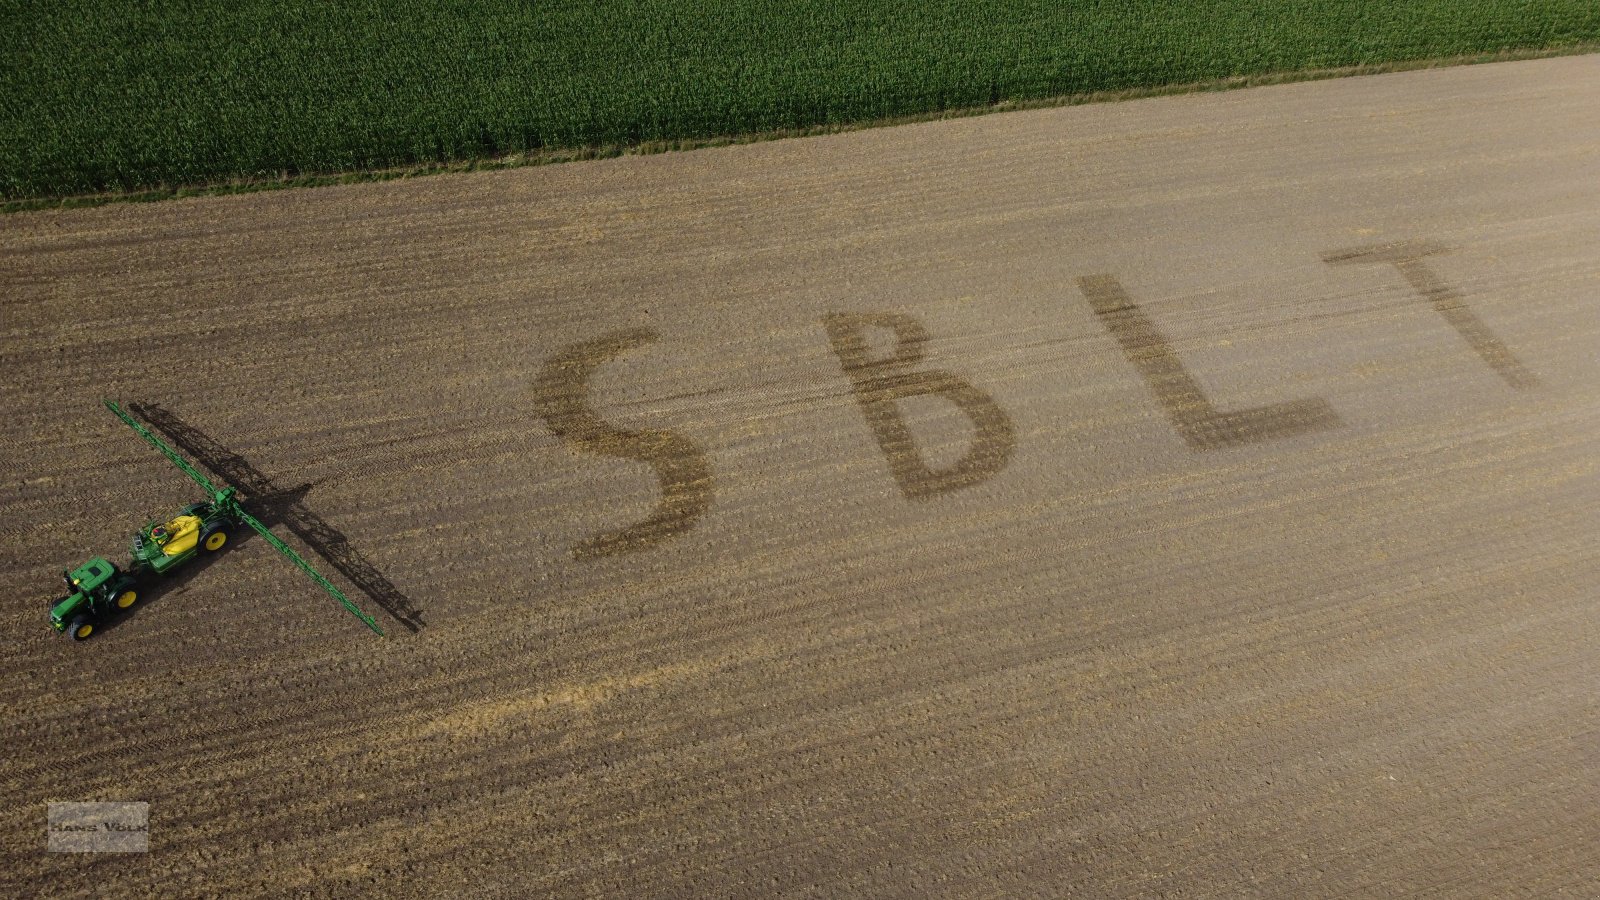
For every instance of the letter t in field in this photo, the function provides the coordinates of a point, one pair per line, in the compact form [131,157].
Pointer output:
[1407,256]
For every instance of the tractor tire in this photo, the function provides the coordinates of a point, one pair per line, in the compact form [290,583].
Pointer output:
[80,629]
[126,597]
[213,541]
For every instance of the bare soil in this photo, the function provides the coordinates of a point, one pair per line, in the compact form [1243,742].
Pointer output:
[1192,496]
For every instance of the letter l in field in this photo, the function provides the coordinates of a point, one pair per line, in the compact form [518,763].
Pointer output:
[1202,425]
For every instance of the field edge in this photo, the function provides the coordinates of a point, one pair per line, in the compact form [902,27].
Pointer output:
[646,148]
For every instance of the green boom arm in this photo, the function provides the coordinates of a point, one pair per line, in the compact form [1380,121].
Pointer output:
[225,499]
[171,454]
[306,568]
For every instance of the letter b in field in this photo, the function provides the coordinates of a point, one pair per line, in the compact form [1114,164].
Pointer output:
[879,383]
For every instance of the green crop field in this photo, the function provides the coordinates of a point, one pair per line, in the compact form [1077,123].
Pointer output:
[113,95]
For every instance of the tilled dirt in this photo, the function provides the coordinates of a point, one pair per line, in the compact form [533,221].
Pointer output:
[1192,496]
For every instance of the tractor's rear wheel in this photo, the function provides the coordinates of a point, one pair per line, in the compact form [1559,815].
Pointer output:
[214,541]
[126,598]
[80,629]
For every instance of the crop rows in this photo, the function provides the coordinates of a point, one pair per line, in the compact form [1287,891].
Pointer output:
[123,96]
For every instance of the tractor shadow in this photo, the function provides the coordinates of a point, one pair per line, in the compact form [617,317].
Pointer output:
[275,505]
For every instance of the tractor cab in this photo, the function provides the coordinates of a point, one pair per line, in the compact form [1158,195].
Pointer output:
[94,590]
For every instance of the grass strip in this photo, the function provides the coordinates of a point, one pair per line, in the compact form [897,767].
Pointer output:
[117,99]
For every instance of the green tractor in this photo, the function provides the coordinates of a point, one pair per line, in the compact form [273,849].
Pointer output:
[94,589]
[97,589]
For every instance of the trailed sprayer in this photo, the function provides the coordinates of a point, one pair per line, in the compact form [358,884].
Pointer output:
[98,588]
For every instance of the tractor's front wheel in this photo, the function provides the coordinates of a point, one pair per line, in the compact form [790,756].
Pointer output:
[80,629]
[127,598]
[214,541]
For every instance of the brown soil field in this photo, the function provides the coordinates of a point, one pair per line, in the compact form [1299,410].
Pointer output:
[1193,496]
